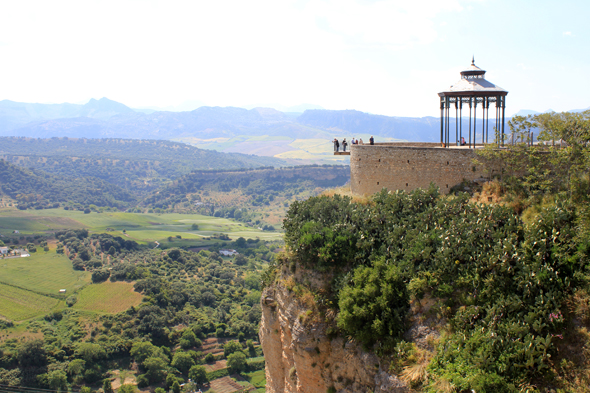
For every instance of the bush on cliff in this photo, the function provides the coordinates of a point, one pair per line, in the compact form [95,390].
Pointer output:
[373,306]
[502,284]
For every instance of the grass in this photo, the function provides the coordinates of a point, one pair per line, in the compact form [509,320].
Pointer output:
[44,272]
[256,378]
[18,304]
[108,297]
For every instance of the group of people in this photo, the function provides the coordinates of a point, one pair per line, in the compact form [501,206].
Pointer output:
[353,141]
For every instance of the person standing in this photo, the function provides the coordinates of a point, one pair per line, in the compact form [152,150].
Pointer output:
[371,140]
[344,144]
[336,145]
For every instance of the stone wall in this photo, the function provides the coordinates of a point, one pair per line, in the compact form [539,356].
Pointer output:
[407,166]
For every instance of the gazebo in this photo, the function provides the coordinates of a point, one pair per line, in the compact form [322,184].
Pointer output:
[472,90]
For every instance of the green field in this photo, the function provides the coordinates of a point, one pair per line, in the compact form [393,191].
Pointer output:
[42,272]
[257,378]
[140,227]
[18,304]
[108,297]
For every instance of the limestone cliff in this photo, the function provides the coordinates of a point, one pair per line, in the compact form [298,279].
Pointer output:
[300,356]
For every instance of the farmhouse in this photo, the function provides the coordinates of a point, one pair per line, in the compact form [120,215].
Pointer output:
[228,253]
[22,253]
[4,250]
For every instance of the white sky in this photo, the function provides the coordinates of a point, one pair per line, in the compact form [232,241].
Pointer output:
[382,57]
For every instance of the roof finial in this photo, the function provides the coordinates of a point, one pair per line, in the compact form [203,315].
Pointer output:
[472,59]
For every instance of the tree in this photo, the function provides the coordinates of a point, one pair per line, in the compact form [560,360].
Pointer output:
[240,260]
[142,350]
[236,362]
[76,367]
[231,347]
[182,361]
[100,275]
[198,374]
[32,354]
[90,352]
[176,387]
[188,339]
[209,358]
[57,380]
[156,368]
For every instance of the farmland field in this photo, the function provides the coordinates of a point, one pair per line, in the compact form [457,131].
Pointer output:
[108,297]
[42,272]
[18,304]
[141,227]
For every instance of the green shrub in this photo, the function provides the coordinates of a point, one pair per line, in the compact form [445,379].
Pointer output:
[373,305]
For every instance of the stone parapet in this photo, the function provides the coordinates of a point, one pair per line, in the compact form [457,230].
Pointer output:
[407,166]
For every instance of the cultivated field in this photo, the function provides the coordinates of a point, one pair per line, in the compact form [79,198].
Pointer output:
[143,228]
[108,297]
[42,272]
[18,304]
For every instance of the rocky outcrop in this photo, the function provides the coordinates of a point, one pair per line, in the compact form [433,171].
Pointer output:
[300,357]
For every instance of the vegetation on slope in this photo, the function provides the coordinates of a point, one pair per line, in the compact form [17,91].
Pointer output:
[41,190]
[189,310]
[510,289]
[139,166]
[246,195]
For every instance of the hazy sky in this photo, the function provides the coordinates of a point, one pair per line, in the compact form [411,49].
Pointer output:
[382,57]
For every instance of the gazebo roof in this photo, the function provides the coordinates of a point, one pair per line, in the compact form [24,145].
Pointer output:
[473,83]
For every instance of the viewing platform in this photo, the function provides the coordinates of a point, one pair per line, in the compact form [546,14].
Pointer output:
[418,145]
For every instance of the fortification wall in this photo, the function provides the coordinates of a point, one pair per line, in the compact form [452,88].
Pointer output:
[407,166]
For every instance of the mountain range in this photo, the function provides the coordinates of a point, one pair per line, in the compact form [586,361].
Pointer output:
[260,130]
[106,118]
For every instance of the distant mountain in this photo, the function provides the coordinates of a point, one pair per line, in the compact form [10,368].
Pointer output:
[526,112]
[419,129]
[287,109]
[186,106]
[14,115]
[105,118]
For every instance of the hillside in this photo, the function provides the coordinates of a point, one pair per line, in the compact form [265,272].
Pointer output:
[247,195]
[139,166]
[34,188]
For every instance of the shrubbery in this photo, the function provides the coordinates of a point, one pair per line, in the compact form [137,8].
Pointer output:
[502,283]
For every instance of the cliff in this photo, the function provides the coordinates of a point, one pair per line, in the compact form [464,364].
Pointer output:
[301,355]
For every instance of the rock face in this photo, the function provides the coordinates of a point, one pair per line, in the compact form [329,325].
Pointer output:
[300,357]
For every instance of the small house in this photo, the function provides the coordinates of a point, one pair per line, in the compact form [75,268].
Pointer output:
[4,250]
[62,291]
[228,253]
